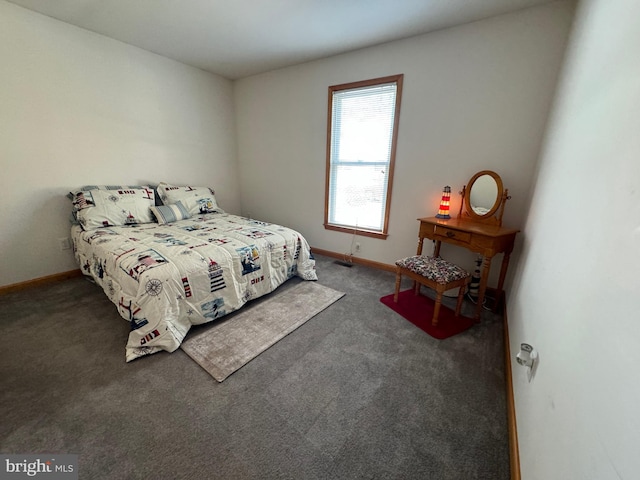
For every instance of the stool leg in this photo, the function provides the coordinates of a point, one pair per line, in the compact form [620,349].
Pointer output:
[398,279]
[460,297]
[436,308]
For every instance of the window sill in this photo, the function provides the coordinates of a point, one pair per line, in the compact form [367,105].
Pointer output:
[357,231]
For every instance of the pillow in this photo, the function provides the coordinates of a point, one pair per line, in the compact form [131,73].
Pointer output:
[103,208]
[170,213]
[70,195]
[196,200]
[73,218]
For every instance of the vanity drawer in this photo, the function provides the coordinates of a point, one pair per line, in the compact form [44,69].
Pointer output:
[452,234]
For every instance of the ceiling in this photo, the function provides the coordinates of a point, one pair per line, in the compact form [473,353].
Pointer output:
[240,38]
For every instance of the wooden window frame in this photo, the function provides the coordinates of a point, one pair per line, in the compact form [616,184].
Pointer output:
[397,79]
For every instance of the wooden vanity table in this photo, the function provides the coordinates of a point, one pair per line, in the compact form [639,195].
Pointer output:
[487,240]
[477,228]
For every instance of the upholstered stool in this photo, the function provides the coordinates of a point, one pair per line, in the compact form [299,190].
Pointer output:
[435,273]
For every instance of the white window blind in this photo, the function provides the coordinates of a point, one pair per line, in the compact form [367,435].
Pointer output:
[361,151]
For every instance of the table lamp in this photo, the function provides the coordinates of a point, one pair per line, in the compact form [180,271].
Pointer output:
[443,211]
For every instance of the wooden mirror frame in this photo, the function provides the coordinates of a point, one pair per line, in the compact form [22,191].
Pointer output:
[494,215]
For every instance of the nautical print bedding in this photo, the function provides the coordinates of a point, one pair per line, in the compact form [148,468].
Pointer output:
[166,278]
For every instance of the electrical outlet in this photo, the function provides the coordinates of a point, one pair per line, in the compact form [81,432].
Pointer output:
[64,243]
[357,247]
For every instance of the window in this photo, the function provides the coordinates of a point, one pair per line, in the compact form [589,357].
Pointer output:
[361,146]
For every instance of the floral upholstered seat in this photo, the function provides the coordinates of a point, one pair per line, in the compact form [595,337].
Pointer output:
[433,268]
[435,273]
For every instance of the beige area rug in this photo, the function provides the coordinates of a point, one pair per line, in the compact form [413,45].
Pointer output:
[224,347]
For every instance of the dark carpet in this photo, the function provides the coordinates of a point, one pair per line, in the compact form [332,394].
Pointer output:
[357,392]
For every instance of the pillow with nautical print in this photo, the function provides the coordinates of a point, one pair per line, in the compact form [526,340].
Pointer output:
[71,195]
[197,200]
[105,208]
[78,202]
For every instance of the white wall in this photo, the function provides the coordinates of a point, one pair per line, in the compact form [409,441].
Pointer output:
[475,97]
[576,295]
[78,108]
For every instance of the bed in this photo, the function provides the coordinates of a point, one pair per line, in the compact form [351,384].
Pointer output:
[181,263]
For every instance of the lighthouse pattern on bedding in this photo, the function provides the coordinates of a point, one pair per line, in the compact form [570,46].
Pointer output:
[165,278]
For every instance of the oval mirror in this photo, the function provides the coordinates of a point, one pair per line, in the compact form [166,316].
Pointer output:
[483,194]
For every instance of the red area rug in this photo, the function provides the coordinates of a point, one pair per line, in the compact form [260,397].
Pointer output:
[419,311]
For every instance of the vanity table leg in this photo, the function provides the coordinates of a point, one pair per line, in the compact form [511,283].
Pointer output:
[420,242]
[483,285]
[503,274]
[436,249]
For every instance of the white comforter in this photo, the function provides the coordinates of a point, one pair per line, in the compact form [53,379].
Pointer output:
[165,278]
